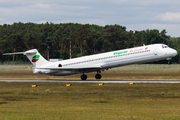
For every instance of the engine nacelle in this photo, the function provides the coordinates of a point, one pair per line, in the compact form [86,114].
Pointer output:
[41,71]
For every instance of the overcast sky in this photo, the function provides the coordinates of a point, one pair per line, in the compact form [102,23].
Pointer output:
[133,14]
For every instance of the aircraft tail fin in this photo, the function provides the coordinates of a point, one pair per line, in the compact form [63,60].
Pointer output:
[34,56]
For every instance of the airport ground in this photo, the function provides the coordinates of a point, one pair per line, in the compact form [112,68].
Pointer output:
[56,101]
[106,75]
[132,72]
[89,101]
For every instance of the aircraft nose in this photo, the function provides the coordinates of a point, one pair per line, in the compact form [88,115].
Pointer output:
[173,52]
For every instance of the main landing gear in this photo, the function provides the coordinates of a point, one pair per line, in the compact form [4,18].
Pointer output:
[83,76]
[97,76]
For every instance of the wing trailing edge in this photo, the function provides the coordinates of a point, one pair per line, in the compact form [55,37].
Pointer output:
[74,68]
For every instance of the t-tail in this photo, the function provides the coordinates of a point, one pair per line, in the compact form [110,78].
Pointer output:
[34,56]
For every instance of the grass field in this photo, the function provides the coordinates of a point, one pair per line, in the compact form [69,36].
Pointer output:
[82,101]
[128,67]
[132,72]
[89,101]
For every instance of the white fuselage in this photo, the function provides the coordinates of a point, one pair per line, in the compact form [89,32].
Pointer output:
[108,60]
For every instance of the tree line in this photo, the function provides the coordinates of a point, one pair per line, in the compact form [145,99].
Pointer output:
[86,39]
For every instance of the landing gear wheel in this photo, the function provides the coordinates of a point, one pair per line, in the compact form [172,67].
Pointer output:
[98,76]
[83,77]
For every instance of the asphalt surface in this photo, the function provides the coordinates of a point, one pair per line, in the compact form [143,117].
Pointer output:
[90,81]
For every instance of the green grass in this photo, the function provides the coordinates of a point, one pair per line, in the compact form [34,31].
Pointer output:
[128,67]
[89,101]
[149,67]
[16,67]
[138,72]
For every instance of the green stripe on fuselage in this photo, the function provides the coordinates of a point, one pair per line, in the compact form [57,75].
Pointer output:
[118,53]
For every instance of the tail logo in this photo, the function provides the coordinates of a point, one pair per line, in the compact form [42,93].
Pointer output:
[35,58]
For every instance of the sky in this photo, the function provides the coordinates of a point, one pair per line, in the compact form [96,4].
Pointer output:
[132,14]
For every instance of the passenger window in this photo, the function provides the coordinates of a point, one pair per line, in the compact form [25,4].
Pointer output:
[60,65]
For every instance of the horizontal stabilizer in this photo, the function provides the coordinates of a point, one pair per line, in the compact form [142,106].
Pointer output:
[13,53]
[34,57]
[33,51]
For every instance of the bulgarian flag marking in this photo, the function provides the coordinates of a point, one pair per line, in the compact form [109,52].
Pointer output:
[35,58]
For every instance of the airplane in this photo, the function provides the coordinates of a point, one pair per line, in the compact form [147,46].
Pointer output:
[98,62]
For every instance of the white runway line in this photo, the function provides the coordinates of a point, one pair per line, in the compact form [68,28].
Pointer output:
[90,81]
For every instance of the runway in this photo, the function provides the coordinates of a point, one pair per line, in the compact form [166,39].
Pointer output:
[89,81]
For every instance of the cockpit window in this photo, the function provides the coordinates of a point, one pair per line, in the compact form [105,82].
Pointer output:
[165,46]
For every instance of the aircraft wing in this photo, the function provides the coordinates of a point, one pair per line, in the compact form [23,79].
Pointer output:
[74,68]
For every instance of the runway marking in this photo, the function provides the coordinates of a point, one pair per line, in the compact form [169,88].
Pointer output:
[90,81]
